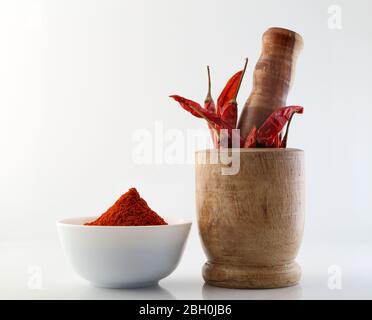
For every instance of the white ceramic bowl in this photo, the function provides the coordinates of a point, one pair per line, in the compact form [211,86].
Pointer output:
[123,257]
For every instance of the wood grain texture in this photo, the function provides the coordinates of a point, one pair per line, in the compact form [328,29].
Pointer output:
[251,223]
[272,78]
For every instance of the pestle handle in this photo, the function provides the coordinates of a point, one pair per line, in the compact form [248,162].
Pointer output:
[273,76]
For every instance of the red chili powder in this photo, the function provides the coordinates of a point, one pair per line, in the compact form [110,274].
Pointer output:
[129,210]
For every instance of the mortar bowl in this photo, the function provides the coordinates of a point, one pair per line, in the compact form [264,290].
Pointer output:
[251,218]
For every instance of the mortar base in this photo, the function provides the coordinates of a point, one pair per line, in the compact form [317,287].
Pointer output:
[251,277]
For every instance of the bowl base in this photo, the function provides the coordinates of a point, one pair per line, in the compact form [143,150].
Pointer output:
[125,285]
[251,277]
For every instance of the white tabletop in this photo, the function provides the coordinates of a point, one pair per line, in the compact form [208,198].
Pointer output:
[39,270]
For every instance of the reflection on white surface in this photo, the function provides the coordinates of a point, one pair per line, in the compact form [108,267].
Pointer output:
[214,293]
[59,281]
[151,293]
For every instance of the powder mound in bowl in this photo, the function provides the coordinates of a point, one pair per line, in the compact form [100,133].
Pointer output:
[129,210]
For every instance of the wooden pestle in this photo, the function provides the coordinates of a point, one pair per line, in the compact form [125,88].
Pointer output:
[272,79]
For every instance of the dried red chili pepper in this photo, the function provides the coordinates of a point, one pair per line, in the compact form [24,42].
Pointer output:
[268,133]
[228,91]
[208,102]
[229,111]
[188,105]
[224,116]
[209,105]
[251,140]
[196,109]
[226,103]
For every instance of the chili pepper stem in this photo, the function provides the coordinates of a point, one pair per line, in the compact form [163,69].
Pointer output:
[209,95]
[285,138]
[240,81]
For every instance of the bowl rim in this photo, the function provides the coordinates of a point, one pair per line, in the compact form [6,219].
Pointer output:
[252,150]
[64,222]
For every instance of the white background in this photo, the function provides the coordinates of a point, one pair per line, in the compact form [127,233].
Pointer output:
[78,78]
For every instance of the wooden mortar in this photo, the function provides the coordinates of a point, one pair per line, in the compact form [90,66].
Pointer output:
[251,223]
[273,76]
